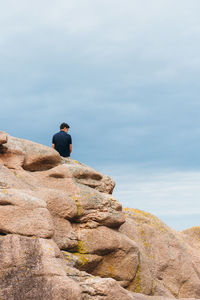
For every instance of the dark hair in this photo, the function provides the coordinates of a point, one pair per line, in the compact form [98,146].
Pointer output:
[64,125]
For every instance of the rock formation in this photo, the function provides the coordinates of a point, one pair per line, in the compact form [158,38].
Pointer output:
[63,236]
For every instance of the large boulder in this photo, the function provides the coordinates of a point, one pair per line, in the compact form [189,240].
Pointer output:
[39,157]
[63,192]
[29,222]
[104,289]
[60,203]
[31,270]
[88,176]
[10,179]
[16,153]
[12,153]
[172,267]
[63,236]
[137,296]
[102,208]
[3,137]
[115,249]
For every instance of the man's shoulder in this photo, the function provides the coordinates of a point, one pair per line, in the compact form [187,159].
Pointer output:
[68,136]
[62,135]
[57,133]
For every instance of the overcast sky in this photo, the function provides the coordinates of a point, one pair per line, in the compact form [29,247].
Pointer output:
[125,76]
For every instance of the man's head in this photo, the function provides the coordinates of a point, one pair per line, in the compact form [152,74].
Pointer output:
[64,127]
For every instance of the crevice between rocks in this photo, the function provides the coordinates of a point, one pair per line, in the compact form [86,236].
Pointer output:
[3,233]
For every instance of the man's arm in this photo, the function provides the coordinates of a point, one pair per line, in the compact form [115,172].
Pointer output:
[70,144]
[53,142]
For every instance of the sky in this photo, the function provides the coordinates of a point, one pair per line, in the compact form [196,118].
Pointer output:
[125,76]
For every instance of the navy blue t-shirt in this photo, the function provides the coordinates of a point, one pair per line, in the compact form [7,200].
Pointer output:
[62,140]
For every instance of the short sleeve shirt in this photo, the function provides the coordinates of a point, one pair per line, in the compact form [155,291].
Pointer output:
[62,140]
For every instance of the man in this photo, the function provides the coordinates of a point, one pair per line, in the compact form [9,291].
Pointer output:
[62,141]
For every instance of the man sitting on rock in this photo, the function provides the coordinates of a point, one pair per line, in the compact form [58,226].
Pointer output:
[62,141]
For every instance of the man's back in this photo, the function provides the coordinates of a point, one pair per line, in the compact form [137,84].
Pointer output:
[62,142]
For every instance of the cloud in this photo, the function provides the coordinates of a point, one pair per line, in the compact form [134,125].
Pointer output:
[173,196]
[124,75]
